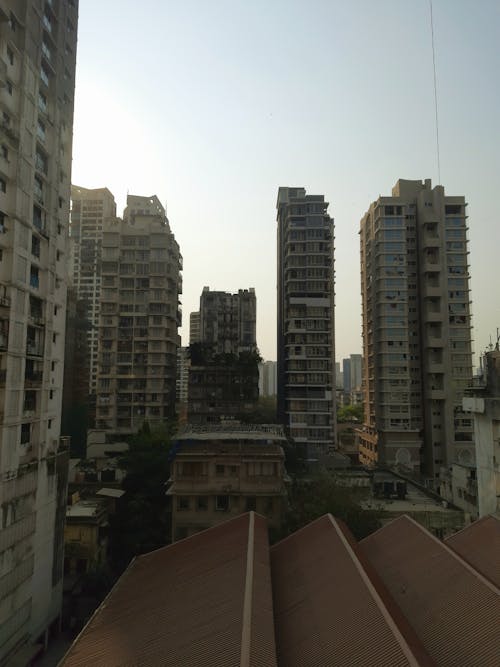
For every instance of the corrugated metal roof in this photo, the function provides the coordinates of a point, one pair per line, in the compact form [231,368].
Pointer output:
[328,611]
[200,601]
[453,609]
[479,545]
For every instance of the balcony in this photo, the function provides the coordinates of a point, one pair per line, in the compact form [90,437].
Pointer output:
[34,349]
[33,379]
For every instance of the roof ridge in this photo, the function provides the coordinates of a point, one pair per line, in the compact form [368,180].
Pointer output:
[444,546]
[473,524]
[397,622]
[246,624]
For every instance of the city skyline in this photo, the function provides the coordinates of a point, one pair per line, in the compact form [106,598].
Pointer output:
[208,127]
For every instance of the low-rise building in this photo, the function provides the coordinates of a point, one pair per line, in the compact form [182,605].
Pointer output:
[220,473]
[474,484]
[85,535]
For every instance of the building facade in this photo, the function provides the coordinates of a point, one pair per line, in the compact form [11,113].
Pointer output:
[475,485]
[306,343]
[37,78]
[139,320]
[416,330]
[89,211]
[223,374]
[228,321]
[268,378]
[220,473]
[194,327]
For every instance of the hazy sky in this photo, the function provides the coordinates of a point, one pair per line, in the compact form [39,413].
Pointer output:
[213,104]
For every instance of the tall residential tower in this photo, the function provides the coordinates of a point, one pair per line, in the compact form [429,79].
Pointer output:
[306,343]
[37,79]
[89,210]
[139,319]
[416,329]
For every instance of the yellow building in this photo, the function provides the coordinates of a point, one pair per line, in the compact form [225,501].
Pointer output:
[222,471]
[86,531]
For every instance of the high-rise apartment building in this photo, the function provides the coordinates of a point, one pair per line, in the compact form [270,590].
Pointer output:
[139,319]
[37,78]
[194,327]
[89,210]
[416,329]
[346,375]
[228,321]
[224,375]
[268,378]
[356,372]
[306,345]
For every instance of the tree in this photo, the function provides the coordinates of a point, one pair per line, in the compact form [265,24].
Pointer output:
[350,413]
[141,522]
[314,497]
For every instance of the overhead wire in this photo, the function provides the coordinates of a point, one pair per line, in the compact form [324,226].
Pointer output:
[435,92]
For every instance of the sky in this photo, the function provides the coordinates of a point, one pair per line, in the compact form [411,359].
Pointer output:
[214,105]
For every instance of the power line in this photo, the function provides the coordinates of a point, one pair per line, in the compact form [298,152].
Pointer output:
[435,94]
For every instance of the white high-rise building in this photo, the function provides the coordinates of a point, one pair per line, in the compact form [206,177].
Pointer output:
[37,79]
[416,330]
[268,378]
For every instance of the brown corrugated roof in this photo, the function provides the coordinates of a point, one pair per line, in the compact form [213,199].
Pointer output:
[328,611]
[453,609]
[479,545]
[205,600]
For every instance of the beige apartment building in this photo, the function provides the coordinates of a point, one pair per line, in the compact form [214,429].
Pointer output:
[221,471]
[139,319]
[306,322]
[89,211]
[37,78]
[194,327]
[416,330]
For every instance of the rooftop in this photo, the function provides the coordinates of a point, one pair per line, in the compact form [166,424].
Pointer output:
[223,597]
[231,432]
[479,545]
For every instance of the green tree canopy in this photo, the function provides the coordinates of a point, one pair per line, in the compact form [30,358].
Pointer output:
[141,522]
[350,413]
[319,495]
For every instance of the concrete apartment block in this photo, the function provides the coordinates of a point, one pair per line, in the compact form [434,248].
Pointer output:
[306,342]
[37,78]
[416,330]
[89,211]
[139,319]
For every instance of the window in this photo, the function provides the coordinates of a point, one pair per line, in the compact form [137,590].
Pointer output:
[25,434]
[35,246]
[4,151]
[202,503]
[183,503]
[222,503]
[10,55]
[219,470]
[41,161]
[10,88]
[34,277]
[3,185]
[40,130]
[251,504]
[42,102]
[44,76]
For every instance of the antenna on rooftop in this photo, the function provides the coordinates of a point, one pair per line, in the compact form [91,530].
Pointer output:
[435,94]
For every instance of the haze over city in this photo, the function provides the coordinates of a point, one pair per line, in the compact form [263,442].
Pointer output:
[213,106]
